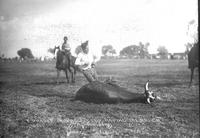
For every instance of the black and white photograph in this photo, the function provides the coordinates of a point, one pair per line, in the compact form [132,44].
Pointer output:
[99,69]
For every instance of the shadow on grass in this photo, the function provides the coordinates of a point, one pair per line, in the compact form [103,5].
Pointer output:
[46,83]
[165,84]
[47,95]
[2,84]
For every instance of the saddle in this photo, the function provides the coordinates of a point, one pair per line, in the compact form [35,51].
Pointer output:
[66,52]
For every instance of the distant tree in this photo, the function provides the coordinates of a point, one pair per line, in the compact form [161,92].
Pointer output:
[78,49]
[113,51]
[25,53]
[130,51]
[2,55]
[108,49]
[162,51]
[143,50]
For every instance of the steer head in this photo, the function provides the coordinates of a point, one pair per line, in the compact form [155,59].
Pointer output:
[150,96]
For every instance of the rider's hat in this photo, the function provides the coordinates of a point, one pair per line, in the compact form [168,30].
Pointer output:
[84,45]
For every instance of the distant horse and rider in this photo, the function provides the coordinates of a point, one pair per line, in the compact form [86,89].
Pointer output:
[193,60]
[65,61]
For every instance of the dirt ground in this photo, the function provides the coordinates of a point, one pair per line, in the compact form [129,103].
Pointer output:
[33,105]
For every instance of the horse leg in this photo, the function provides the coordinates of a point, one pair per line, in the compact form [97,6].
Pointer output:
[74,71]
[192,72]
[72,74]
[67,77]
[58,75]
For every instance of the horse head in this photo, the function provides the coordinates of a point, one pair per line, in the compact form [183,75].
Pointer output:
[56,49]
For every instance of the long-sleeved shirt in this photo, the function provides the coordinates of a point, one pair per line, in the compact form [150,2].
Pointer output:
[85,61]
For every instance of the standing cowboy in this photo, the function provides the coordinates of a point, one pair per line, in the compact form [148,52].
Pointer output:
[86,63]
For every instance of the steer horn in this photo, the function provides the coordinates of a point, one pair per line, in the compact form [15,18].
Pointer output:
[146,86]
[149,94]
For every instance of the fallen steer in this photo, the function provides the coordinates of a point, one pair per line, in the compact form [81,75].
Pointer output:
[99,92]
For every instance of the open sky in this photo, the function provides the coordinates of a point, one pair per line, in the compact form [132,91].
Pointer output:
[41,24]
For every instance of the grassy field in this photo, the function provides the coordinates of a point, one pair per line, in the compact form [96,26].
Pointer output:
[33,105]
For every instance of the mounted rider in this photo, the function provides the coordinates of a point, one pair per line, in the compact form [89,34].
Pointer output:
[66,49]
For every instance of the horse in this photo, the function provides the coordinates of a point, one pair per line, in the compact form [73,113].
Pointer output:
[193,60]
[108,92]
[65,62]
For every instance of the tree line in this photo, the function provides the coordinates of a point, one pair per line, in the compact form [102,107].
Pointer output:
[134,51]
[131,51]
